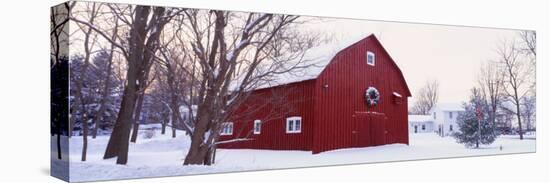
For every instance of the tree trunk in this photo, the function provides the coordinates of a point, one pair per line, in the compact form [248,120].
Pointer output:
[135,131]
[173,100]
[59,145]
[173,130]
[202,155]
[196,155]
[139,56]
[163,129]
[494,117]
[72,121]
[119,140]
[136,119]
[210,156]
[198,150]
[84,139]
[518,115]
[174,120]
[104,96]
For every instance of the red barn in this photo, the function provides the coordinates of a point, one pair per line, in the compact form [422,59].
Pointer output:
[358,99]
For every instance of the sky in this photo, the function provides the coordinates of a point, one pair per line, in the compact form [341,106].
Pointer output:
[452,55]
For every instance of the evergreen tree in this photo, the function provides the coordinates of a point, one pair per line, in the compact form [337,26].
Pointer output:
[474,123]
[92,90]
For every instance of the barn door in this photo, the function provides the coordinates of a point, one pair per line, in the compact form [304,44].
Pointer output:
[378,129]
[362,131]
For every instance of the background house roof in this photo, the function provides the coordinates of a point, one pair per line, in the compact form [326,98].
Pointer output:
[420,118]
[448,107]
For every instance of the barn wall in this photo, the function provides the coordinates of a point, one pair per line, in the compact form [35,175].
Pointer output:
[273,106]
[343,118]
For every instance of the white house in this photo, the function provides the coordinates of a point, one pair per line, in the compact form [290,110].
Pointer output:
[421,124]
[444,115]
[184,111]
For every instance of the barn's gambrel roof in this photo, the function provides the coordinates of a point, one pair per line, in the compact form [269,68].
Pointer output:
[326,55]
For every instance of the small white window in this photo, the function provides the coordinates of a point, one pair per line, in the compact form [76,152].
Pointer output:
[257,126]
[227,128]
[294,124]
[451,115]
[370,58]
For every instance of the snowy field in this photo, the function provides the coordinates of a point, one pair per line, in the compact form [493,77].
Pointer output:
[162,155]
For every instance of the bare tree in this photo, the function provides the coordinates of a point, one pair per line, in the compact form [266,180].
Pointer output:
[59,36]
[79,104]
[529,39]
[491,80]
[159,111]
[516,78]
[427,97]
[529,49]
[232,54]
[59,18]
[145,24]
[107,84]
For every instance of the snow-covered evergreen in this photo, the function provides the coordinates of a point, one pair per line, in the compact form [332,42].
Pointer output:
[474,124]
[94,81]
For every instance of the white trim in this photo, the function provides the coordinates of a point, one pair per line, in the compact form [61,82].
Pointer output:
[369,53]
[227,128]
[259,123]
[294,124]
[397,94]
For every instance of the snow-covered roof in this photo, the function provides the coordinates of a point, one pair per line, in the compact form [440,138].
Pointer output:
[420,118]
[448,107]
[318,57]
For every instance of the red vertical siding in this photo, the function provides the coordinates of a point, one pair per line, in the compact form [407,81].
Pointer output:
[333,117]
[344,120]
[273,106]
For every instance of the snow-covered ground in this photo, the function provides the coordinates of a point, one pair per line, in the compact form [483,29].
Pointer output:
[162,155]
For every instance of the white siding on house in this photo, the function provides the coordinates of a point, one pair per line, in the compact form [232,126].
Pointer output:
[446,116]
[421,123]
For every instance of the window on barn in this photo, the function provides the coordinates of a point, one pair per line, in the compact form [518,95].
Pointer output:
[294,124]
[227,128]
[257,126]
[370,58]
[451,115]
[450,127]
[423,127]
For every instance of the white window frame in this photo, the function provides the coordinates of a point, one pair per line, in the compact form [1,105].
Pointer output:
[293,120]
[259,124]
[369,53]
[227,128]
